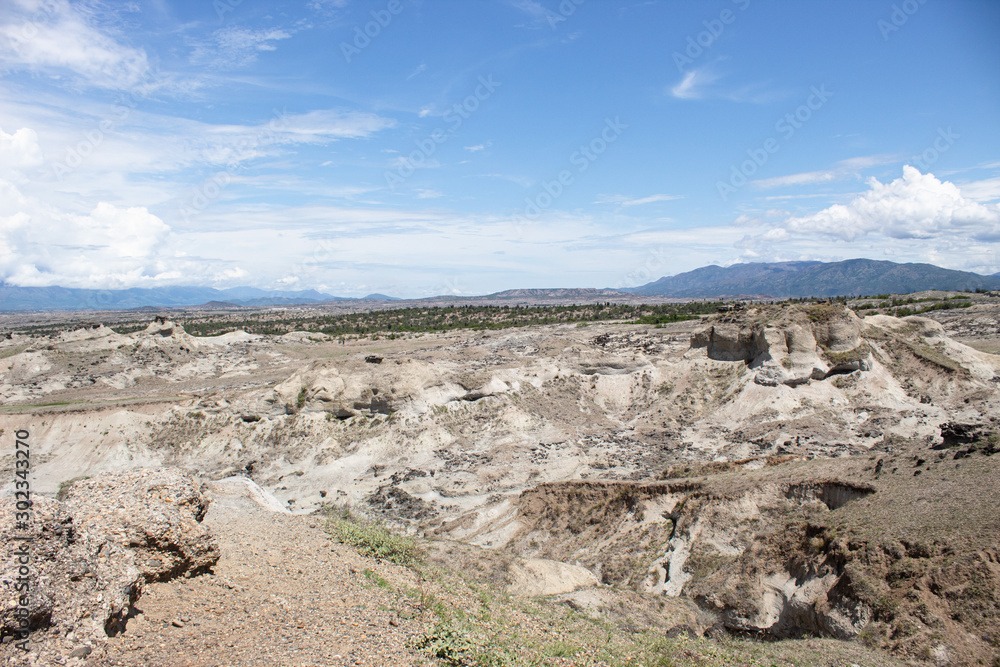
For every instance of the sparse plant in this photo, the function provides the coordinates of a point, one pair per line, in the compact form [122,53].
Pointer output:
[65,486]
[379,581]
[373,538]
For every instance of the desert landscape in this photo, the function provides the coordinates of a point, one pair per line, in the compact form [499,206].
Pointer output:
[774,483]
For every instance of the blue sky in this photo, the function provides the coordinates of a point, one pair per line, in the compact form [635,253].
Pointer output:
[420,147]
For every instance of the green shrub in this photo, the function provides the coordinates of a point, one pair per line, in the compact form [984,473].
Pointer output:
[448,643]
[453,643]
[375,540]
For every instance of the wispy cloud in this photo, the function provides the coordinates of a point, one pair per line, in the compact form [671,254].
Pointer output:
[478,147]
[236,46]
[704,83]
[623,200]
[422,67]
[523,181]
[537,13]
[694,84]
[982,191]
[849,168]
[63,39]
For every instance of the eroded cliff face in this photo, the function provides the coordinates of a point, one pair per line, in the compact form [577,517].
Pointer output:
[694,539]
[789,345]
[864,546]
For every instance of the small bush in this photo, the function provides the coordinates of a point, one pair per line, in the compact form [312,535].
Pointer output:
[301,400]
[375,540]
[65,486]
[454,643]
[448,643]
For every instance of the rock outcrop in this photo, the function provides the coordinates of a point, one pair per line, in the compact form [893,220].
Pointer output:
[789,345]
[91,552]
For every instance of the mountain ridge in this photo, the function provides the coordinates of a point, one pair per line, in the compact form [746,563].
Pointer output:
[13,297]
[757,279]
[813,279]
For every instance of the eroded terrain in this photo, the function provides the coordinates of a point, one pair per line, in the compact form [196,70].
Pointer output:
[773,470]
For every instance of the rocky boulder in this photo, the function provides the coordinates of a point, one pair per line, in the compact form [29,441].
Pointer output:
[91,552]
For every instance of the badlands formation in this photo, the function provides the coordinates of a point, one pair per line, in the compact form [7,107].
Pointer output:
[771,472]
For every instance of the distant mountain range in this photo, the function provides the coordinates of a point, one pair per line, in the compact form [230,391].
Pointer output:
[778,280]
[65,298]
[802,279]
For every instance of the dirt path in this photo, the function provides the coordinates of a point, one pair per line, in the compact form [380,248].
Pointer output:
[282,594]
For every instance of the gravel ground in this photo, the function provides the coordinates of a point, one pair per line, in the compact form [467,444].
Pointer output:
[282,594]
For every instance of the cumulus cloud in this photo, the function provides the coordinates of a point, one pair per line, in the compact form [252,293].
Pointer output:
[108,247]
[916,206]
[19,150]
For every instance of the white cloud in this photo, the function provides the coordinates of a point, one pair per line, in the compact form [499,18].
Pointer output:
[325,125]
[523,181]
[19,150]
[623,200]
[537,12]
[982,191]
[236,46]
[478,147]
[422,67]
[428,194]
[327,5]
[916,206]
[692,86]
[848,168]
[698,84]
[803,178]
[108,247]
[55,37]
[650,199]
